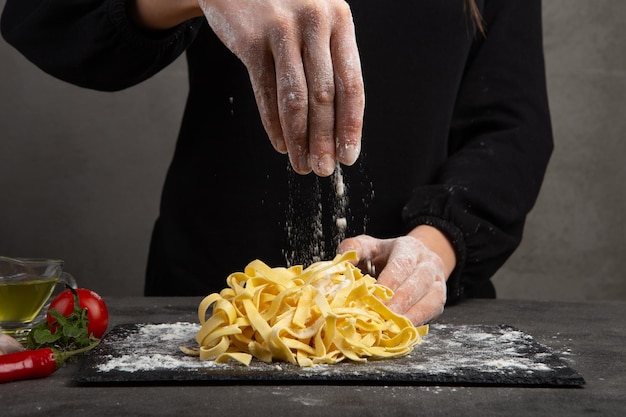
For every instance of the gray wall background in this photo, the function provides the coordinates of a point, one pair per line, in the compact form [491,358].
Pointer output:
[81,171]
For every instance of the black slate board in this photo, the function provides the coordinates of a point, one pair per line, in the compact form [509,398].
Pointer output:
[488,355]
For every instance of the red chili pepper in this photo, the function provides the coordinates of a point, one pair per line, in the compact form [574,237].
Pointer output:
[27,364]
[30,364]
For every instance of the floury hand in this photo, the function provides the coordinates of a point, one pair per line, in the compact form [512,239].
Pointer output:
[407,265]
[304,65]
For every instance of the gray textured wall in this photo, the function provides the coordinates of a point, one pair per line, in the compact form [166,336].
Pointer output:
[81,171]
[575,246]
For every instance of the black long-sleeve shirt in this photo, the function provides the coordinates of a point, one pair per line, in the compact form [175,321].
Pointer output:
[456,135]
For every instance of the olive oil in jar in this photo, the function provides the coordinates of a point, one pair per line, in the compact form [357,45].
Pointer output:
[20,301]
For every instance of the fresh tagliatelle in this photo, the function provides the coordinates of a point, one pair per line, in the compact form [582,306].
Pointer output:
[323,314]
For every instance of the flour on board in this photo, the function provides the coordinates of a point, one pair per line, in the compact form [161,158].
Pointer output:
[154,346]
[448,349]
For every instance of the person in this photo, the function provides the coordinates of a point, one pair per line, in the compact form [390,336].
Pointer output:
[441,163]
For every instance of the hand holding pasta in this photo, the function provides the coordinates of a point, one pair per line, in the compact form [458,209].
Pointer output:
[323,314]
[415,273]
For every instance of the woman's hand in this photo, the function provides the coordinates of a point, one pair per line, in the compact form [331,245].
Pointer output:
[305,70]
[411,267]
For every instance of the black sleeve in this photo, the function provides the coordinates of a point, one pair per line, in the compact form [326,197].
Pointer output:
[91,43]
[499,146]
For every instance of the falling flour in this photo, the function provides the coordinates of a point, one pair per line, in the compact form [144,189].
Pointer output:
[340,206]
[305,226]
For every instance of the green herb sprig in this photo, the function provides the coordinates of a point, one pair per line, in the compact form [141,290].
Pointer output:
[65,333]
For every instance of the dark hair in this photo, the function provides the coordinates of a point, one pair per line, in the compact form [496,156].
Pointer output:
[475,14]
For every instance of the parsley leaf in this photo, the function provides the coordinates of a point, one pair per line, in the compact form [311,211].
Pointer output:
[65,333]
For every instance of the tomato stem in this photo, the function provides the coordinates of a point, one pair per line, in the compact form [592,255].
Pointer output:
[61,356]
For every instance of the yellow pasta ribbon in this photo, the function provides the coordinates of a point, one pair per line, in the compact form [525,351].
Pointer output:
[323,314]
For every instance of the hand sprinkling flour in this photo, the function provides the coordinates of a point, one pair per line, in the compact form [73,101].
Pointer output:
[305,69]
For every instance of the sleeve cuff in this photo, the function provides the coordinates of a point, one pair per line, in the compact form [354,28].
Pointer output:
[148,38]
[455,289]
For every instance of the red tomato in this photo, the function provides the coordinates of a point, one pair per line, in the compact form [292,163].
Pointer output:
[97,311]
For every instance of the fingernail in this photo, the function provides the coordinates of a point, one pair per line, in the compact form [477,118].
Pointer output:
[323,166]
[281,147]
[349,153]
[300,163]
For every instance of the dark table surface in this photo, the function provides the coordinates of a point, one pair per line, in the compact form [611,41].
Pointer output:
[588,336]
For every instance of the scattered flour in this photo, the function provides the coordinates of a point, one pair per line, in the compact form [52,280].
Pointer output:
[447,353]
[153,347]
[501,349]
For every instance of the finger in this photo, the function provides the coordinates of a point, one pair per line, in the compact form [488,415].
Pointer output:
[429,307]
[361,244]
[318,68]
[292,98]
[263,78]
[401,262]
[349,89]
[245,41]
[421,281]
[371,252]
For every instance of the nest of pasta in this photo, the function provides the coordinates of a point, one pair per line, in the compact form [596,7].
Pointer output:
[323,314]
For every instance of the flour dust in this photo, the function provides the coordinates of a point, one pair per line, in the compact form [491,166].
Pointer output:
[317,216]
